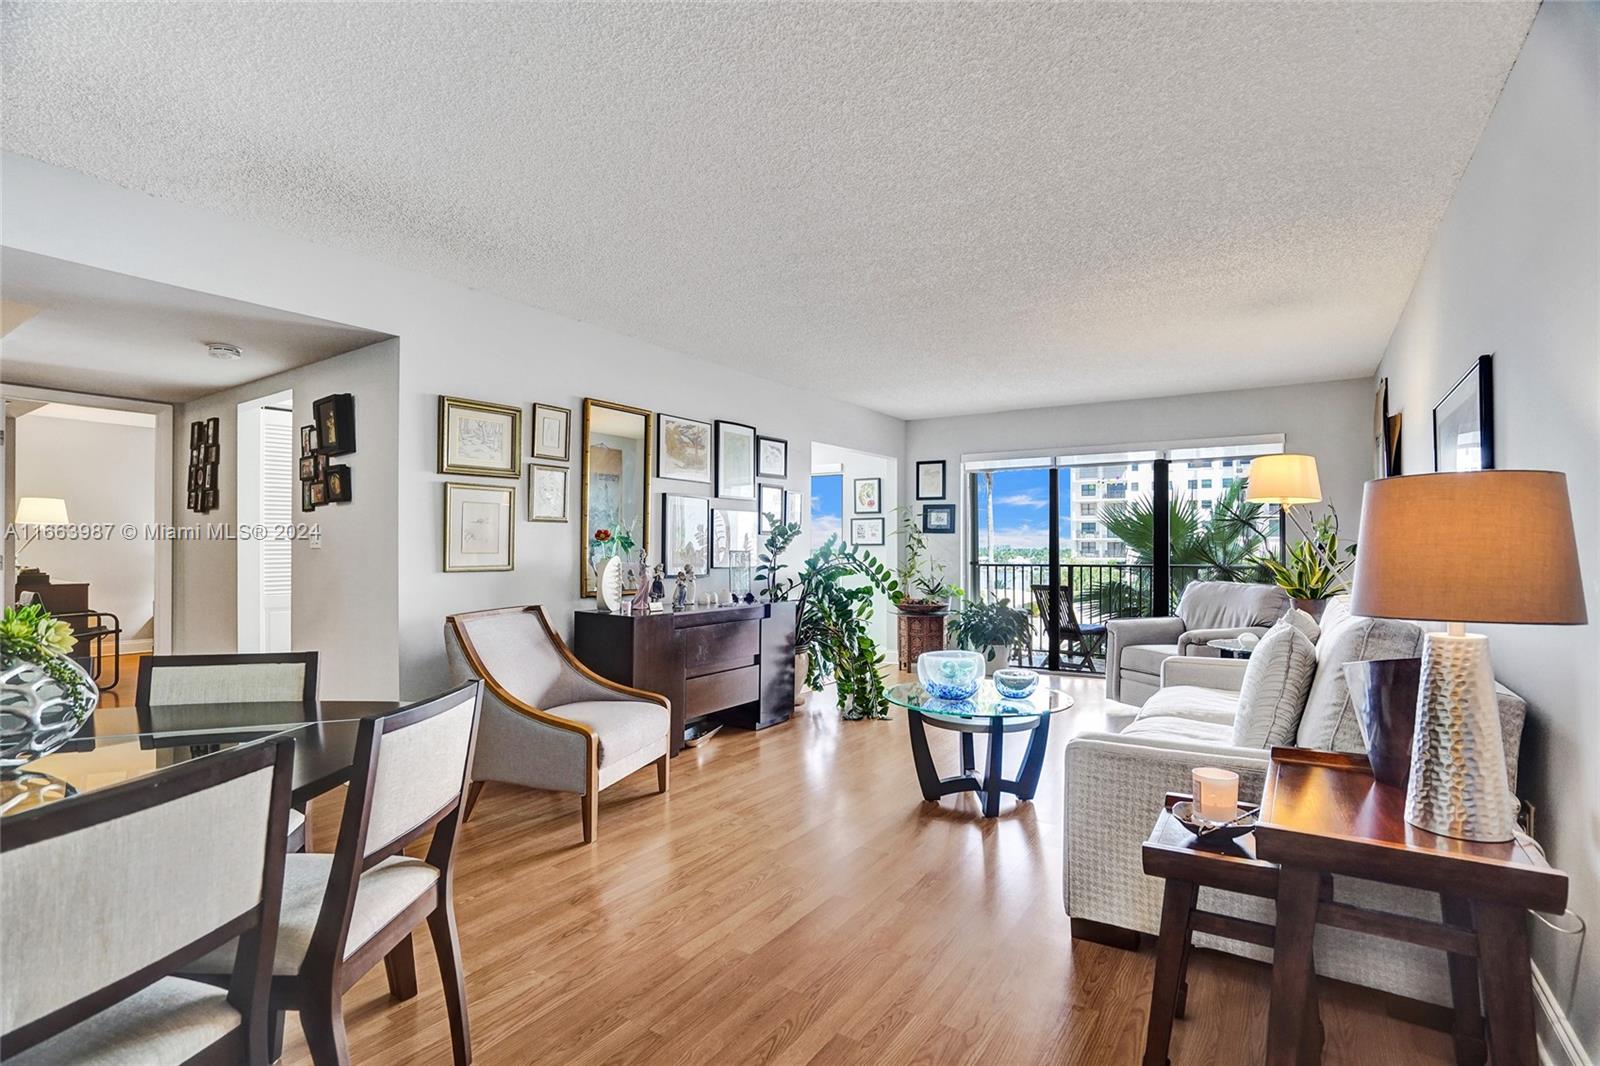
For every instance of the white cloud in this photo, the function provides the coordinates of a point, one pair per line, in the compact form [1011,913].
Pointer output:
[1021,499]
[1024,536]
[825,526]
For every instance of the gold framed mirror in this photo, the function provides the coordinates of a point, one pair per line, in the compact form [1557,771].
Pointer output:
[616,485]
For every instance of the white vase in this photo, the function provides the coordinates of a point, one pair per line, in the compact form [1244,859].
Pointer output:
[999,655]
[608,584]
[802,663]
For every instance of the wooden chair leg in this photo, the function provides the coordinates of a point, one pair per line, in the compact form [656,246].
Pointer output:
[322,1020]
[442,926]
[1177,906]
[662,773]
[275,1020]
[590,805]
[473,792]
[400,966]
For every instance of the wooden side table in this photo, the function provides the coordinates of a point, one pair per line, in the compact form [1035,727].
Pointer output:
[919,632]
[1323,814]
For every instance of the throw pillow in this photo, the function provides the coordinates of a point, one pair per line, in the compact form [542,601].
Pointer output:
[1330,722]
[1273,693]
[1303,622]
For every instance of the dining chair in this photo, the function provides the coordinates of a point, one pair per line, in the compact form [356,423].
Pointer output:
[343,913]
[171,685]
[105,897]
[550,722]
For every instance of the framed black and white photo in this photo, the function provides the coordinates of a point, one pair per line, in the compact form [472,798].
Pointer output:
[868,495]
[769,506]
[338,480]
[939,518]
[552,432]
[308,439]
[736,460]
[866,531]
[731,532]
[1463,422]
[335,417]
[547,493]
[683,449]
[794,506]
[478,528]
[772,457]
[213,430]
[686,533]
[476,438]
[930,479]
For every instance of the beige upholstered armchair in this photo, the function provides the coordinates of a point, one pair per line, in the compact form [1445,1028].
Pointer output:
[1209,610]
[549,722]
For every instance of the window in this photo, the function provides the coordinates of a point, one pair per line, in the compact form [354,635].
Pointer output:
[1227,481]
[1088,529]
[1090,488]
[1193,484]
[1090,509]
[1205,483]
[1088,547]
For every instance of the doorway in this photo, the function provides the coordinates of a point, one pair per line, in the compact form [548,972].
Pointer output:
[267,481]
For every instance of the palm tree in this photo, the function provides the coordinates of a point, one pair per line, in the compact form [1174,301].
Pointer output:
[1218,547]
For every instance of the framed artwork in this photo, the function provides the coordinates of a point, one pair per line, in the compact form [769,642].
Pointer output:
[866,531]
[732,531]
[772,457]
[194,501]
[197,436]
[930,479]
[794,506]
[319,493]
[547,493]
[683,449]
[1385,434]
[208,500]
[477,438]
[736,460]
[769,507]
[308,467]
[213,430]
[686,533]
[306,503]
[1463,422]
[335,417]
[552,433]
[478,532]
[338,483]
[308,439]
[869,496]
[939,518]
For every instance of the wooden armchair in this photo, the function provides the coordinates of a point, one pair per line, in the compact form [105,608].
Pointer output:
[549,722]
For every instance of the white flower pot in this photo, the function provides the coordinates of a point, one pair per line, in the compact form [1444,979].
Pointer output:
[608,584]
[998,656]
[802,663]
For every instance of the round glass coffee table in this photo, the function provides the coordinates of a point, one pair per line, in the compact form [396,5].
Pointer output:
[985,712]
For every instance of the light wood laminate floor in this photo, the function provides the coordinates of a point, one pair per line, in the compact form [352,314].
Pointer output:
[793,900]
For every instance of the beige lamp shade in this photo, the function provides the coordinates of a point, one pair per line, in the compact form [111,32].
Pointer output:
[1479,546]
[41,511]
[1284,480]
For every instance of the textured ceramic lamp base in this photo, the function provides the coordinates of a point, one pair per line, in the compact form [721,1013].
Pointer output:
[1458,762]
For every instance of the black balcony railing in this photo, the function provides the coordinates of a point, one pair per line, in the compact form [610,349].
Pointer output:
[1091,594]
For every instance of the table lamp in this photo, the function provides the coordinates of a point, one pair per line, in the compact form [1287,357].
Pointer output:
[36,511]
[1286,480]
[1433,547]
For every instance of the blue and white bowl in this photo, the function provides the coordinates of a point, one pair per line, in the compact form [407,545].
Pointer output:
[950,675]
[1014,683]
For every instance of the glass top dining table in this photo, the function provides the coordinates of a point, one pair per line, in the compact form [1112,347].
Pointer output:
[324,748]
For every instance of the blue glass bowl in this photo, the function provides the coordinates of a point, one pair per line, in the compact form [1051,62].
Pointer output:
[1014,683]
[950,675]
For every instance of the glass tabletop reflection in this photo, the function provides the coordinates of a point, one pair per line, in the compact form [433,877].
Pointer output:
[986,703]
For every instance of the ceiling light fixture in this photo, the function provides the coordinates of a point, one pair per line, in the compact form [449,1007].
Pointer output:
[224,351]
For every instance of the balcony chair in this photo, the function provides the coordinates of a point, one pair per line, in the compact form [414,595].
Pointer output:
[1208,610]
[549,722]
[1078,642]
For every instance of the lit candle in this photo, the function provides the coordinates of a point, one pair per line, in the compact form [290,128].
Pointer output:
[1216,793]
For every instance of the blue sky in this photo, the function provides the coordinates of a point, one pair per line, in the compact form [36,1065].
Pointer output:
[827,506]
[1021,508]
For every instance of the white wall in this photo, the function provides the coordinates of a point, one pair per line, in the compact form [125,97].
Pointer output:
[1330,420]
[345,600]
[103,471]
[452,340]
[1515,271]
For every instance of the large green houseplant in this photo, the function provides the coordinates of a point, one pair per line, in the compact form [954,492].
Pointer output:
[920,577]
[833,591]
[995,628]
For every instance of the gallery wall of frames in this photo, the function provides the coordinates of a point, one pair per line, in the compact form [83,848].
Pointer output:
[663,493]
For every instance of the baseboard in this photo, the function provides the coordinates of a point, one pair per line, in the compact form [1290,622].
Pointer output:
[1558,1043]
[139,647]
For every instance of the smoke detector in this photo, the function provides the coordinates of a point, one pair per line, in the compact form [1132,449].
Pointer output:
[229,352]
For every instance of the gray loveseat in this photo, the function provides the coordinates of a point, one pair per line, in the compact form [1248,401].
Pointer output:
[1209,610]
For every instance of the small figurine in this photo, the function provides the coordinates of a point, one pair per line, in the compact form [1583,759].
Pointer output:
[681,591]
[658,588]
[749,597]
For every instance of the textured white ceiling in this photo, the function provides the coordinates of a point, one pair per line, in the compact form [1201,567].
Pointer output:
[922,208]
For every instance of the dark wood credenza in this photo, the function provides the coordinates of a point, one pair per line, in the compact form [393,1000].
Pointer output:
[734,663]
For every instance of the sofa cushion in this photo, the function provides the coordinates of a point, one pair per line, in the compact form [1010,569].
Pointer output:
[1335,612]
[1329,722]
[1304,623]
[1192,702]
[1147,658]
[1230,605]
[1273,693]
[1187,730]
[622,726]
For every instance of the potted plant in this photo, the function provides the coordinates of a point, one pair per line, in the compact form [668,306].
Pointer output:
[46,695]
[833,590]
[1313,570]
[994,628]
[920,577]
